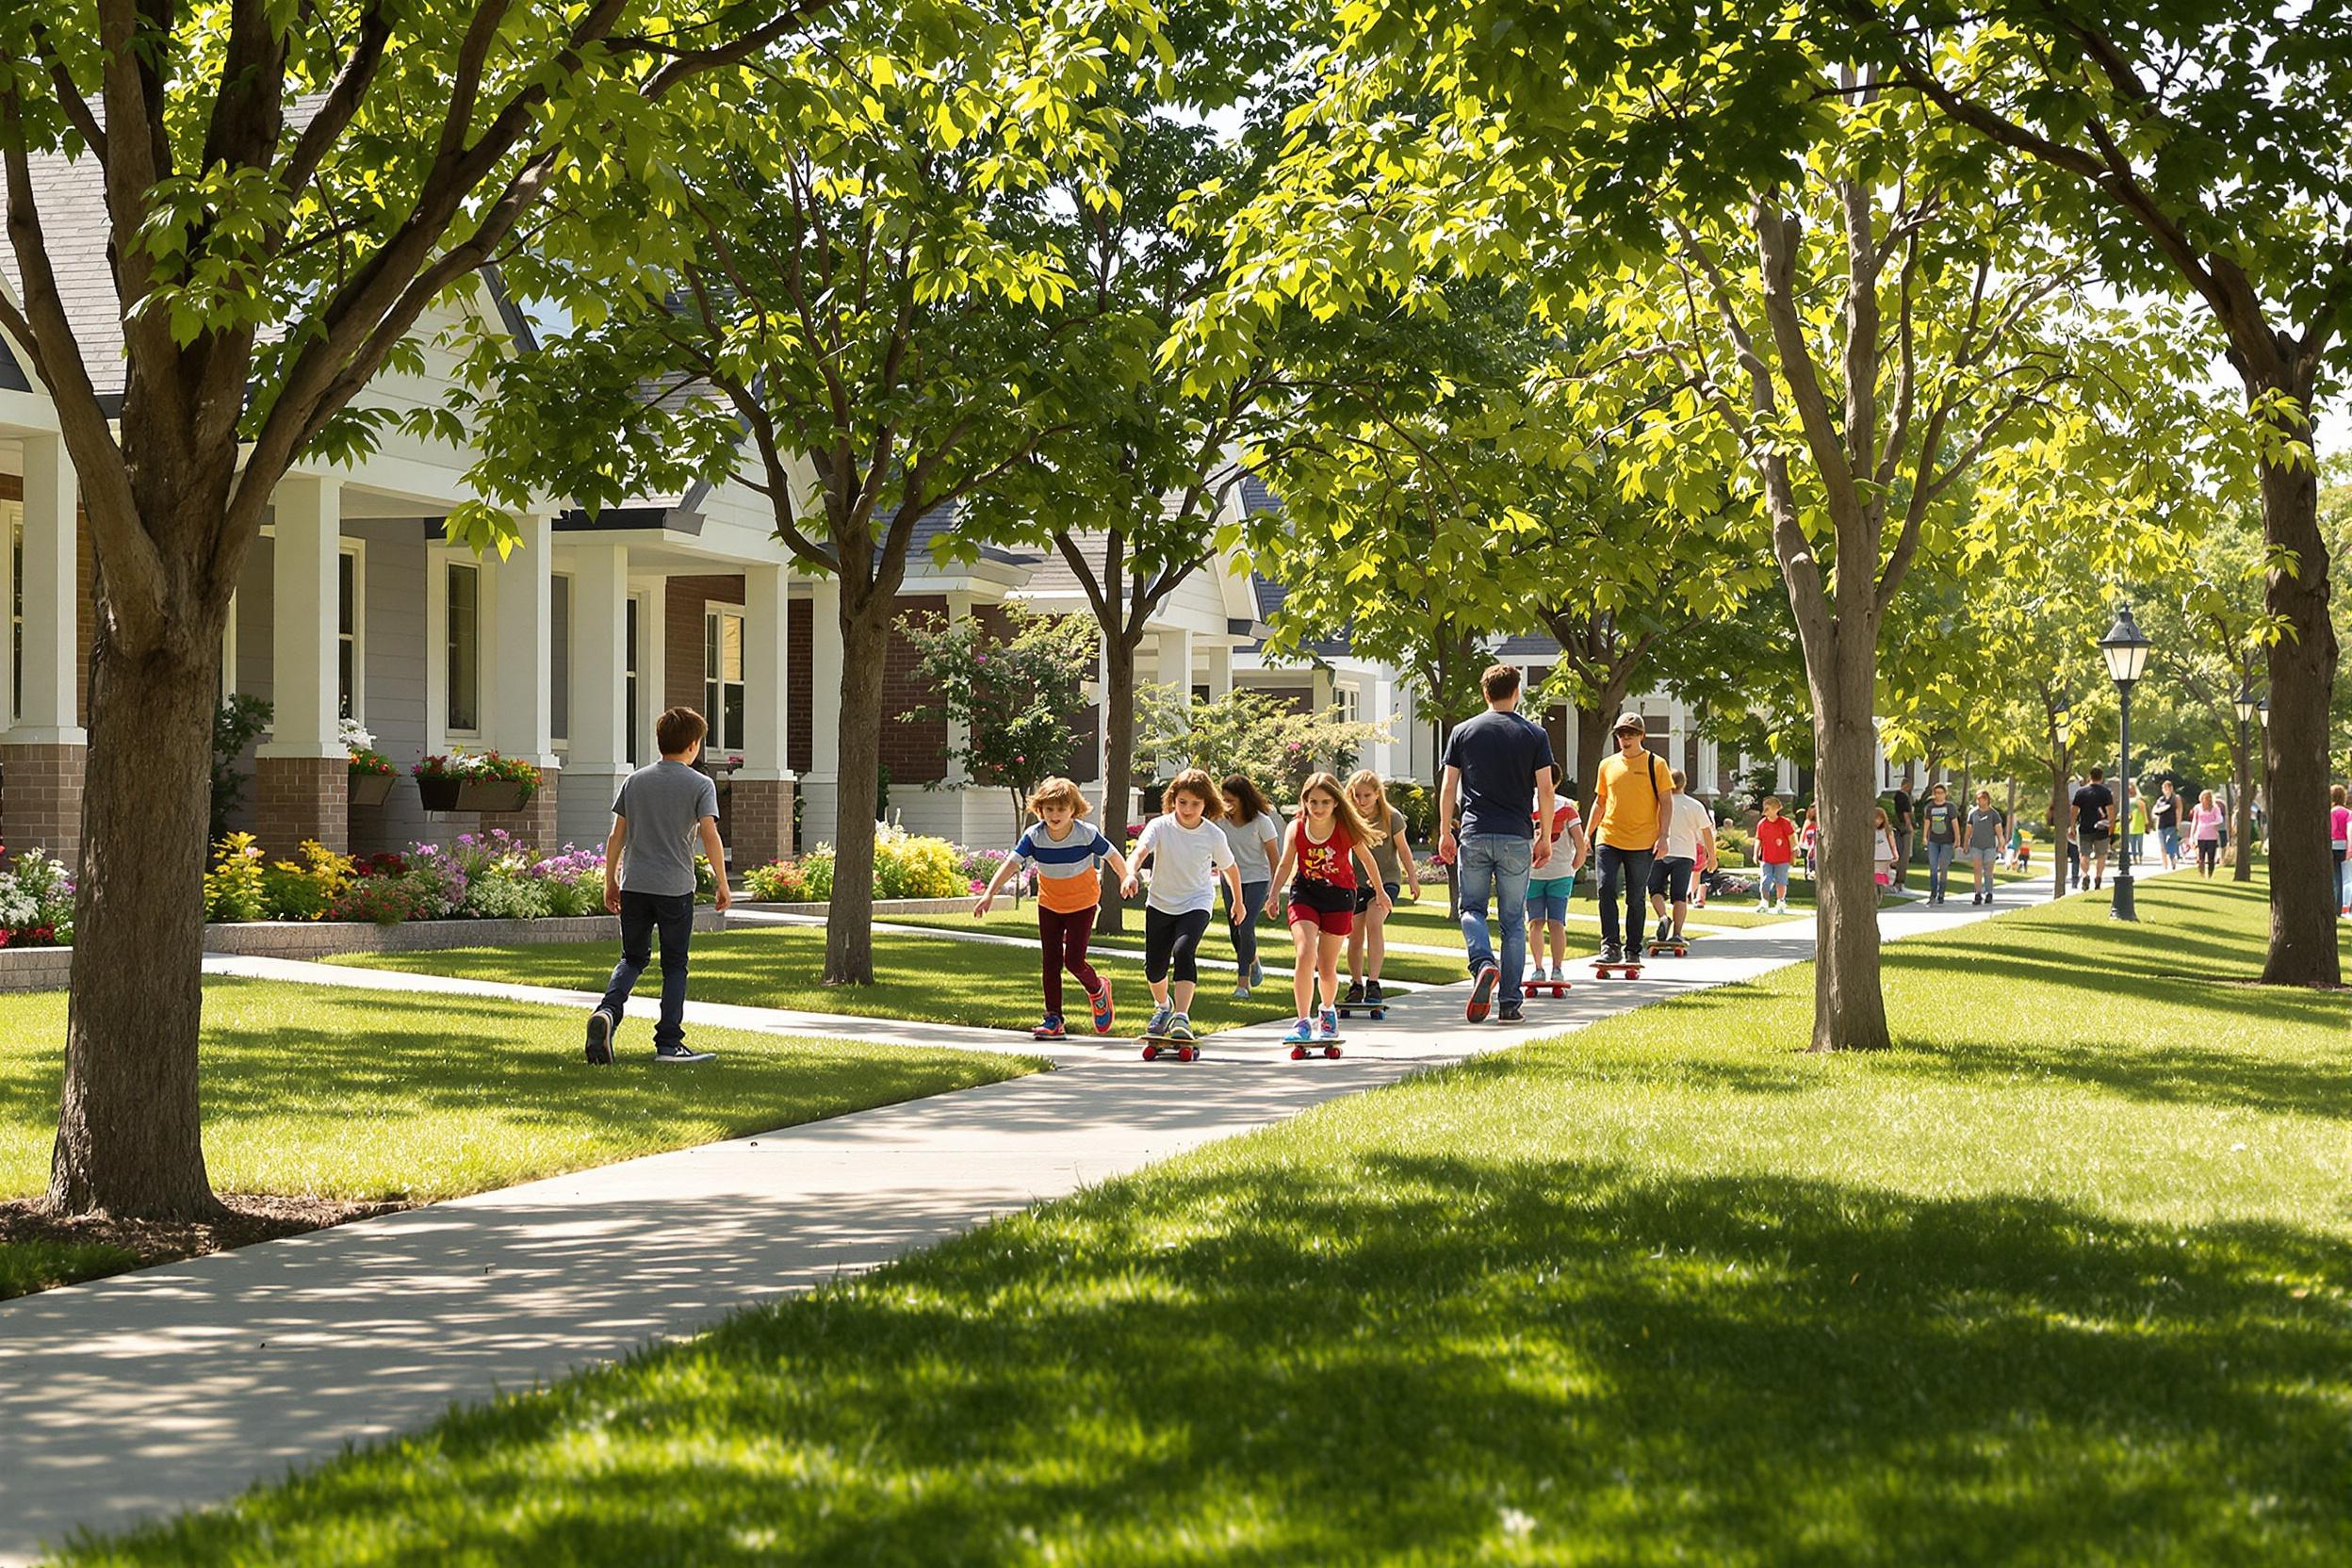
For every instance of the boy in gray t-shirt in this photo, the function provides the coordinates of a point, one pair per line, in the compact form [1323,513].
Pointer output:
[649,881]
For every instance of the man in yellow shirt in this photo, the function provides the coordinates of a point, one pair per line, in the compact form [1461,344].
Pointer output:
[1630,823]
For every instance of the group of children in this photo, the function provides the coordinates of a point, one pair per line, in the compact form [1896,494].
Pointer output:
[1332,875]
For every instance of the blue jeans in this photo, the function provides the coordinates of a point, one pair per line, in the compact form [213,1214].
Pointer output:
[1496,864]
[1630,869]
[1243,923]
[642,914]
[1939,865]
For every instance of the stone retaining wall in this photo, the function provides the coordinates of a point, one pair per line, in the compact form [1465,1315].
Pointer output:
[33,969]
[883,908]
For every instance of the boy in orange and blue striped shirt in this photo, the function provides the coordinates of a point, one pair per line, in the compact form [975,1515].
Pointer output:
[1069,854]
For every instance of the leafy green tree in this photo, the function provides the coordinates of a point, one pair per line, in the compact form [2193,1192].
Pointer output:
[853,328]
[288,189]
[2199,146]
[1248,732]
[1009,690]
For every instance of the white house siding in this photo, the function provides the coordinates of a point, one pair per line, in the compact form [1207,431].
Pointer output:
[394,647]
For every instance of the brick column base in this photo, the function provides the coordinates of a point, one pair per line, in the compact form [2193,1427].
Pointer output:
[759,820]
[41,800]
[303,797]
[535,823]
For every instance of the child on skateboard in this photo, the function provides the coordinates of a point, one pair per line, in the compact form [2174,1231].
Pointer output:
[1547,895]
[1187,855]
[1328,844]
[1391,855]
[1069,853]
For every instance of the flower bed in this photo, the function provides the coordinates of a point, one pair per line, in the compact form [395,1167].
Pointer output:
[492,875]
[906,867]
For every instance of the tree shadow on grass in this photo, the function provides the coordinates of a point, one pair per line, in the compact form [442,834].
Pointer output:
[1402,1358]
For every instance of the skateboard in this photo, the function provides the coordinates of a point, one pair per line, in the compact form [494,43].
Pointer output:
[1553,989]
[1301,1051]
[1369,1009]
[1676,949]
[1156,1046]
[1625,970]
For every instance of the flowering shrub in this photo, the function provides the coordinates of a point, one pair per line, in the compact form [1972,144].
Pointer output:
[503,893]
[907,865]
[36,903]
[291,891]
[480,767]
[573,881]
[386,900]
[777,882]
[438,880]
[232,889]
[816,873]
[370,763]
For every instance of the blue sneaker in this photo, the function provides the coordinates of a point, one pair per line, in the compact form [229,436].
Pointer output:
[1050,1029]
[1180,1027]
[1329,1028]
[1257,974]
[1302,1033]
[1157,1028]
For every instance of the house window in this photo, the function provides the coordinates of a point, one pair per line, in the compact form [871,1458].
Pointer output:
[1346,699]
[347,634]
[723,676]
[559,657]
[462,650]
[629,678]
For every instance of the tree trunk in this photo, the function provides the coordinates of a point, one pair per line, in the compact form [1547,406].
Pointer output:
[2302,685]
[130,1130]
[1849,1010]
[2061,772]
[849,913]
[1593,742]
[1119,770]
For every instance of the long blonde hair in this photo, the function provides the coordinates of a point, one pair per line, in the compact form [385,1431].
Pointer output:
[1379,789]
[1344,812]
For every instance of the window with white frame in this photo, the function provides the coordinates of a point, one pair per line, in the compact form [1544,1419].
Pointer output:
[1348,701]
[462,650]
[351,587]
[722,701]
[628,678]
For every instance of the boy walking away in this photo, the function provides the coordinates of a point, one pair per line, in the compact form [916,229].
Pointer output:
[1069,853]
[1629,817]
[649,881]
[1776,852]
[1943,839]
[1984,838]
[1689,846]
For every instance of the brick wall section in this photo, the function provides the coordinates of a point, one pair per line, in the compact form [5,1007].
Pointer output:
[916,754]
[800,632]
[302,797]
[41,807]
[535,823]
[759,821]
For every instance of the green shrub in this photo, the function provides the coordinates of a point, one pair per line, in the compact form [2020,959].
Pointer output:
[777,882]
[232,887]
[908,866]
[503,895]
[290,894]
[1418,807]
[1735,846]
[816,873]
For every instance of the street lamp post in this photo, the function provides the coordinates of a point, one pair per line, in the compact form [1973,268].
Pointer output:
[2126,650]
[2247,706]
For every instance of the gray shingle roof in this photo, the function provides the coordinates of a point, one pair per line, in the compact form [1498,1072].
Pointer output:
[71,197]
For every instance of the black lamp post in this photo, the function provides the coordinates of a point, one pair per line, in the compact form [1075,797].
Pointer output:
[2125,648]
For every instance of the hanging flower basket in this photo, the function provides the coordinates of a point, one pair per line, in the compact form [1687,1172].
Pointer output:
[370,789]
[475,781]
[497,794]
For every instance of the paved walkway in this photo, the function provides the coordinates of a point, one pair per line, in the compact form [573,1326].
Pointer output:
[179,1385]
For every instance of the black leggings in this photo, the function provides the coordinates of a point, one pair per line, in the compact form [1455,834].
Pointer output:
[1176,937]
[2208,852]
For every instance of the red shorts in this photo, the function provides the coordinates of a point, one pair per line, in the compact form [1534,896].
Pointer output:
[1335,922]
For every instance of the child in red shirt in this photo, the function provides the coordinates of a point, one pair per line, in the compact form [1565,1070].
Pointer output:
[1775,852]
[1326,846]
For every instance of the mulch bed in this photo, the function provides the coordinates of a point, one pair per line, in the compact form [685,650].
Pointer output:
[251,1218]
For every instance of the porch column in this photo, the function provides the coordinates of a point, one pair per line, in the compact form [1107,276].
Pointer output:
[819,787]
[959,733]
[599,707]
[1176,662]
[760,803]
[1220,672]
[522,712]
[43,752]
[301,778]
[1382,754]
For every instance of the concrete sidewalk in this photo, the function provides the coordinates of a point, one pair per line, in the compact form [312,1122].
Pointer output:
[180,1386]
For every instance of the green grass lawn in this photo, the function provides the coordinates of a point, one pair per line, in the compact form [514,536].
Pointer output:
[2065,1278]
[363,1096]
[1274,945]
[983,985]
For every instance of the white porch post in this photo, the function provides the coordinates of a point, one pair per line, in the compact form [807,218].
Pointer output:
[44,749]
[1220,672]
[599,705]
[306,702]
[522,712]
[759,813]
[1382,758]
[959,733]
[1175,669]
[821,786]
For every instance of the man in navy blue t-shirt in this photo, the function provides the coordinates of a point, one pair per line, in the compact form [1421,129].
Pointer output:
[1496,764]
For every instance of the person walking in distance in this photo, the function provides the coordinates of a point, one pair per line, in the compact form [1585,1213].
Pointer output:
[2339,836]
[2165,815]
[1252,829]
[1493,763]
[1899,822]
[1775,852]
[2205,824]
[661,811]
[1985,831]
[1629,832]
[1689,849]
[1943,839]
[2095,824]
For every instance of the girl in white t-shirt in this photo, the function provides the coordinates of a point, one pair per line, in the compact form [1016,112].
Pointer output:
[1187,855]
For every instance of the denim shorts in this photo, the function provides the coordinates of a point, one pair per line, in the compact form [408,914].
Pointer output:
[1549,900]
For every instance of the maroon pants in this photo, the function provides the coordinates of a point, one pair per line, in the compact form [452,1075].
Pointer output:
[1064,938]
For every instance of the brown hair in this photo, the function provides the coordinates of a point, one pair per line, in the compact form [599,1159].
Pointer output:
[1499,681]
[1253,801]
[2335,794]
[679,729]
[1344,812]
[1058,791]
[1194,781]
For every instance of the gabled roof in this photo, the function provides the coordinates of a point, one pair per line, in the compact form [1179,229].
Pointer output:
[1256,497]
[71,195]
